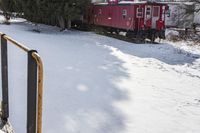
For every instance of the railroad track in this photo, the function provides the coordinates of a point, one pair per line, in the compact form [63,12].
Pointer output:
[124,38]
[102,31]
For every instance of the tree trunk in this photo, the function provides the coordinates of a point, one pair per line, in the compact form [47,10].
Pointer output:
[69,22]
[61,22]
[7,18]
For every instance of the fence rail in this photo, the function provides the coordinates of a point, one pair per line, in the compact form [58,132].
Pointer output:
[34,85]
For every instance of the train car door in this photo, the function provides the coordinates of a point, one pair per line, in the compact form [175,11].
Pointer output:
[155,15]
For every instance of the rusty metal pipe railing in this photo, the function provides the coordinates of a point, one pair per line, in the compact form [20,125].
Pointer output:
[39,79]
[21,46]
[40,91]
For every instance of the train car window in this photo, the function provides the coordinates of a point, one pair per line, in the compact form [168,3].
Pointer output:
[139,12]
[148,11]
[124,13]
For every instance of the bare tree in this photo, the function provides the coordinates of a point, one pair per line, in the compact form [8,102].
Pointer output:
[197,5]
[191,10]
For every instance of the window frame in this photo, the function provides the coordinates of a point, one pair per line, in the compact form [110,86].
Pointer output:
[124,13]
[148,11]
[158,11]
[139,14]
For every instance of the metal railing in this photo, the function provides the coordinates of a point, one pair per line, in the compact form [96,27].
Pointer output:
[34,85]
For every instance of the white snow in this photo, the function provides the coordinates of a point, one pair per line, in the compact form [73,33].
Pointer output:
[2,19]
[97,84]
[132,2]
[170,34]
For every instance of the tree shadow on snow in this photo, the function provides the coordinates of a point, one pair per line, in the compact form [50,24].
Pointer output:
[82,90]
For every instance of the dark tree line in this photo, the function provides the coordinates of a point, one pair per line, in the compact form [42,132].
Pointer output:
[52,12]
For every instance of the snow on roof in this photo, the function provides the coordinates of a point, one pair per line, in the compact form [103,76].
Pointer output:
[125,2]
[178,3]
[121,2]
[100,3]
[132,2]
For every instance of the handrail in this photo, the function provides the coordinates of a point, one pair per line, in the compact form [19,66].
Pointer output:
[19,45]
[40,91]
[40,77]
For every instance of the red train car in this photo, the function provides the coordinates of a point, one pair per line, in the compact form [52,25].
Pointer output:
[140,19]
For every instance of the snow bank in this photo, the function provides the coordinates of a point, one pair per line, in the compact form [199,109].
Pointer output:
[17,20]
[7,128]
[171,34]
[2,19]
[13,20]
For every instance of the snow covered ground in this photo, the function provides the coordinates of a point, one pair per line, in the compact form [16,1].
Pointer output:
[97,84]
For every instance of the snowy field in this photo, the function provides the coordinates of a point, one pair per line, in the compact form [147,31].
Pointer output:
[97,84]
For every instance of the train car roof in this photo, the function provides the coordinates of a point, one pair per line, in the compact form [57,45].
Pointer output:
[127,3]
[178,3]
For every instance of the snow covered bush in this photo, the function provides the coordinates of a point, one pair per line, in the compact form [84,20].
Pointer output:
[172,35]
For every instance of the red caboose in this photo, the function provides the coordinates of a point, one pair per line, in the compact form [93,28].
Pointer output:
[140,19]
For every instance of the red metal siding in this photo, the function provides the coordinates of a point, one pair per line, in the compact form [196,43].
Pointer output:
[124,16]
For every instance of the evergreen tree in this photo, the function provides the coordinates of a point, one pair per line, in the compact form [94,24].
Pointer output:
[30,9]
[7,6]
[54,12]
[67,10]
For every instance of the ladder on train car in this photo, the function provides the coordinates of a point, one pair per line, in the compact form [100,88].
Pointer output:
[34,85]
